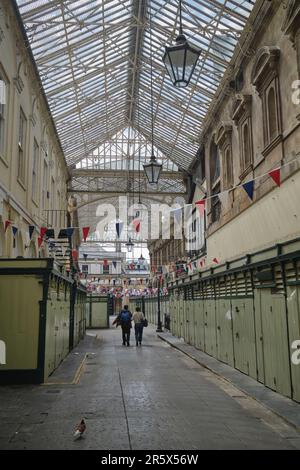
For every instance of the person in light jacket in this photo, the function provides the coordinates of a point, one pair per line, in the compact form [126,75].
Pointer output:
[138,318]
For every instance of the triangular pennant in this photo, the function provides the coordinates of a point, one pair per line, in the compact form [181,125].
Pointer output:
[43,232]
[275,175]
[7,224]
[85,232]
[223,197]
[40,241]
[69,231]
[105,263]
[115,264]
[14,230]
[31,230]
[177,215]
[119,228]
[215,260]
[137,225]
[56,233]
[249,188]
[201,206]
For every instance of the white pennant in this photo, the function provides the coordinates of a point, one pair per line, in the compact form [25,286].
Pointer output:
[223,197]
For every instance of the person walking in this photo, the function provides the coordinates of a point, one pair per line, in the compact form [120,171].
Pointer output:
[124,319]
[138,318]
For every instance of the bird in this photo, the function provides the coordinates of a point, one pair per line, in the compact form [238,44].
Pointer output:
[79,430]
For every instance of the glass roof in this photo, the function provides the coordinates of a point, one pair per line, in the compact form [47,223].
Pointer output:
[94,60]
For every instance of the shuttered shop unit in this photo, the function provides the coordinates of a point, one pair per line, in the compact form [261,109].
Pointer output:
[293,308]
[36,312]
[97,314]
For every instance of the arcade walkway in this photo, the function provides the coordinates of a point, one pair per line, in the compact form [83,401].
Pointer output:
[153,397]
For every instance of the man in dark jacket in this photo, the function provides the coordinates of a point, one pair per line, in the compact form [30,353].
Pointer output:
[124,319]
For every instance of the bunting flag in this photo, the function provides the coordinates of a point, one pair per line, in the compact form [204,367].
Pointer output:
[75,255]
[215,260]
[119,228]
[223,197]
[177,215]
[132,266]
[195,264]
[43,232]
[14,230]
[85,232]
[105,263]
[69,231]
[31,230]
[115,264]
[7,224]
[275,175]
[56,232]
[137,225]
[249,188]
[201,206]
[40,241]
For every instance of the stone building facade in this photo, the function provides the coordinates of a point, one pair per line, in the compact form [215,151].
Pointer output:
[33,173]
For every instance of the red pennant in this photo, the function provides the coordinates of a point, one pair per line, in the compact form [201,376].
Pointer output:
[75,255]
[40,241]
[215,260]
[137,225]
[7,224]
[85,231]
[105,263]
[43,231]
[201,206]
[275,175]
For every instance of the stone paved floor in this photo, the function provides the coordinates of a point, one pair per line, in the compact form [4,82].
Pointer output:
[151,397]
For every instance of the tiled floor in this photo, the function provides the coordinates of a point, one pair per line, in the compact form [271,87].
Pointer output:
[150,397]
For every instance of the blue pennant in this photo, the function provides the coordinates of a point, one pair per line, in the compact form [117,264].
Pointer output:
[31,230]
[115,264]
[249,188]
[14,229]
[119,227]
[69,231]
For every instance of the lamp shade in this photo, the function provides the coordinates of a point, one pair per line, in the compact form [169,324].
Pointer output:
[129,245]
[180,61]
[152,170]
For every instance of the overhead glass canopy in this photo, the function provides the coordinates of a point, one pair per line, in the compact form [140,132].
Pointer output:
[94,60]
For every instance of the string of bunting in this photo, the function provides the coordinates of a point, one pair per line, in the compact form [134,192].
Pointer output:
[275,174]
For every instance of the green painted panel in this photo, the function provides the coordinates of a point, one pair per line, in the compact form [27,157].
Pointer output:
[224,331]
[99,315]
[210,327]
[275,344]
[244,336]
[293,305]
[199,324]
[19,320]
[258,311]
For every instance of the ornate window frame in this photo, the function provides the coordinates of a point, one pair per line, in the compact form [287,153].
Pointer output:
[291,26]
[224,142]
[265,78]
[242,117]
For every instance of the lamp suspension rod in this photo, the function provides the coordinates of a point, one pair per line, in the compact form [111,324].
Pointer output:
[151,82]
[139,142]
[180,18]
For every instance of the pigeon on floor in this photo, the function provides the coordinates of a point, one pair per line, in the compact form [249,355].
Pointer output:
[79,430]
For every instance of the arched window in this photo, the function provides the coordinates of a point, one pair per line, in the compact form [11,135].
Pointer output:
[246,146]
[214,163]
[272,115]
[228,167]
